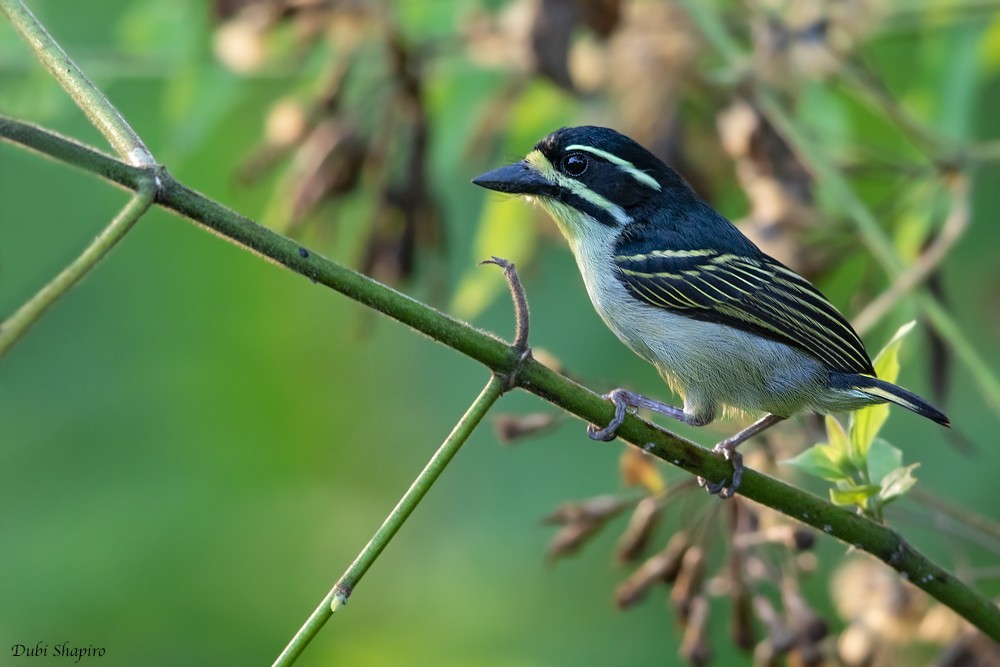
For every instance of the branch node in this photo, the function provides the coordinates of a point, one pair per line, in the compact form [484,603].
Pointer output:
[340,595]
[520,349]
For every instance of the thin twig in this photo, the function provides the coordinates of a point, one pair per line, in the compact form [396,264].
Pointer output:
[17,324]
[988,151]
[954,226]
[342,590]
[520,300]
[521,317]
[873,91]
[960,515]
[880,541]
[94,103]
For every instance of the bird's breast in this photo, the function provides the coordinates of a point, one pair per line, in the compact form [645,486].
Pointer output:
[707,363]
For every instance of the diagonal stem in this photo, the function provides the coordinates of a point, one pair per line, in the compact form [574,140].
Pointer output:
[88,97]
[17,324]
[342,590]
[932,256]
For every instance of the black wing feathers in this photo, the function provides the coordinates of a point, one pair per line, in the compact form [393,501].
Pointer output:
[751,292]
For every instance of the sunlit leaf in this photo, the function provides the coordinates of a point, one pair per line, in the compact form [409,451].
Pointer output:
[856,495]
[639,469]
[883,458]
[990,44]
[896,483]
[868,421]
[837,435]
[821,461]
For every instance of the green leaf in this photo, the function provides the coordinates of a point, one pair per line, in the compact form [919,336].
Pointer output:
[896,483]
[868,421]
[837,435]
[856,495]
[883,458]
[821,461]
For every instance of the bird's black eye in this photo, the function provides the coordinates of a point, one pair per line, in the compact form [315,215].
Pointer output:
[574,164]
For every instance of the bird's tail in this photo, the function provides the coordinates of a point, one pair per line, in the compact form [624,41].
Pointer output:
[886,391]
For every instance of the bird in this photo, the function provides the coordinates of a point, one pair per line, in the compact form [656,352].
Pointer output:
[729,328]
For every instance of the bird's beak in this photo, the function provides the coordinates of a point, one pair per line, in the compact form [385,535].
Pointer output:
[517,179]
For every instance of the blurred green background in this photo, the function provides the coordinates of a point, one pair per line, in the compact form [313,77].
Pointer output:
[195,443]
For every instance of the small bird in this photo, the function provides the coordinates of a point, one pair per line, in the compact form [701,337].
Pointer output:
[727,326]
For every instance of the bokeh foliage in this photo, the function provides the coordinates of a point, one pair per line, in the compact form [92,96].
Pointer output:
[194,443]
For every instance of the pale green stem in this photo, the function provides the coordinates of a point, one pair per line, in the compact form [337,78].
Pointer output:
[825,172]
[98,108]
[342,590]
[17,324]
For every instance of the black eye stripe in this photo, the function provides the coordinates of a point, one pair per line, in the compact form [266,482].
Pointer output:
[574,164]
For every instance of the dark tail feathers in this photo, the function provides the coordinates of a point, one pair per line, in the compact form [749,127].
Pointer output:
[886,391]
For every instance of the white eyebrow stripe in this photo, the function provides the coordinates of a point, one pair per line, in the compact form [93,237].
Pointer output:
[624,165]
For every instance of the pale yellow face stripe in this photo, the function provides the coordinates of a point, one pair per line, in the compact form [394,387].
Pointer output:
[624,165]
[537,161]
[891,398]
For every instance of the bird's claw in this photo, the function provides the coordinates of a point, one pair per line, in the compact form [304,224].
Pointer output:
[606,434]
[725,488]
[610,432]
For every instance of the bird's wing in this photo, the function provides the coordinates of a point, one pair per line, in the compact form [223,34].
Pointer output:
[758,295]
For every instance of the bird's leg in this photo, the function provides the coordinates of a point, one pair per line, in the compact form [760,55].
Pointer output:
[728,447]
[623,400]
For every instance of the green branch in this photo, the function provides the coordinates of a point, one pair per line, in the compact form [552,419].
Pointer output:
[342,590]
[502,359]
[15,326]
[88,97]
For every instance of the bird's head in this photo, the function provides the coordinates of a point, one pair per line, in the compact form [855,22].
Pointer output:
[592,180]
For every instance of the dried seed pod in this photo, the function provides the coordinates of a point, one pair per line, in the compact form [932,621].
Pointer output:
[690,580]
[807,625]
[694,645]
[592,509]
[640,527]
[570,538]
[551,30]
[514,427]
[651,572]
[743,632]
[677,546]
[779,635]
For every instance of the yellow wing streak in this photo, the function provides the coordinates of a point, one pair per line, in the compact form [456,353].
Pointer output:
[795,290]
[809,338]
[754,294]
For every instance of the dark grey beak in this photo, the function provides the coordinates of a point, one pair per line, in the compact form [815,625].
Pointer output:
[516,179]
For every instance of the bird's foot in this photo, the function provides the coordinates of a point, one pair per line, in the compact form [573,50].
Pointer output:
[620,399]
[725,488]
